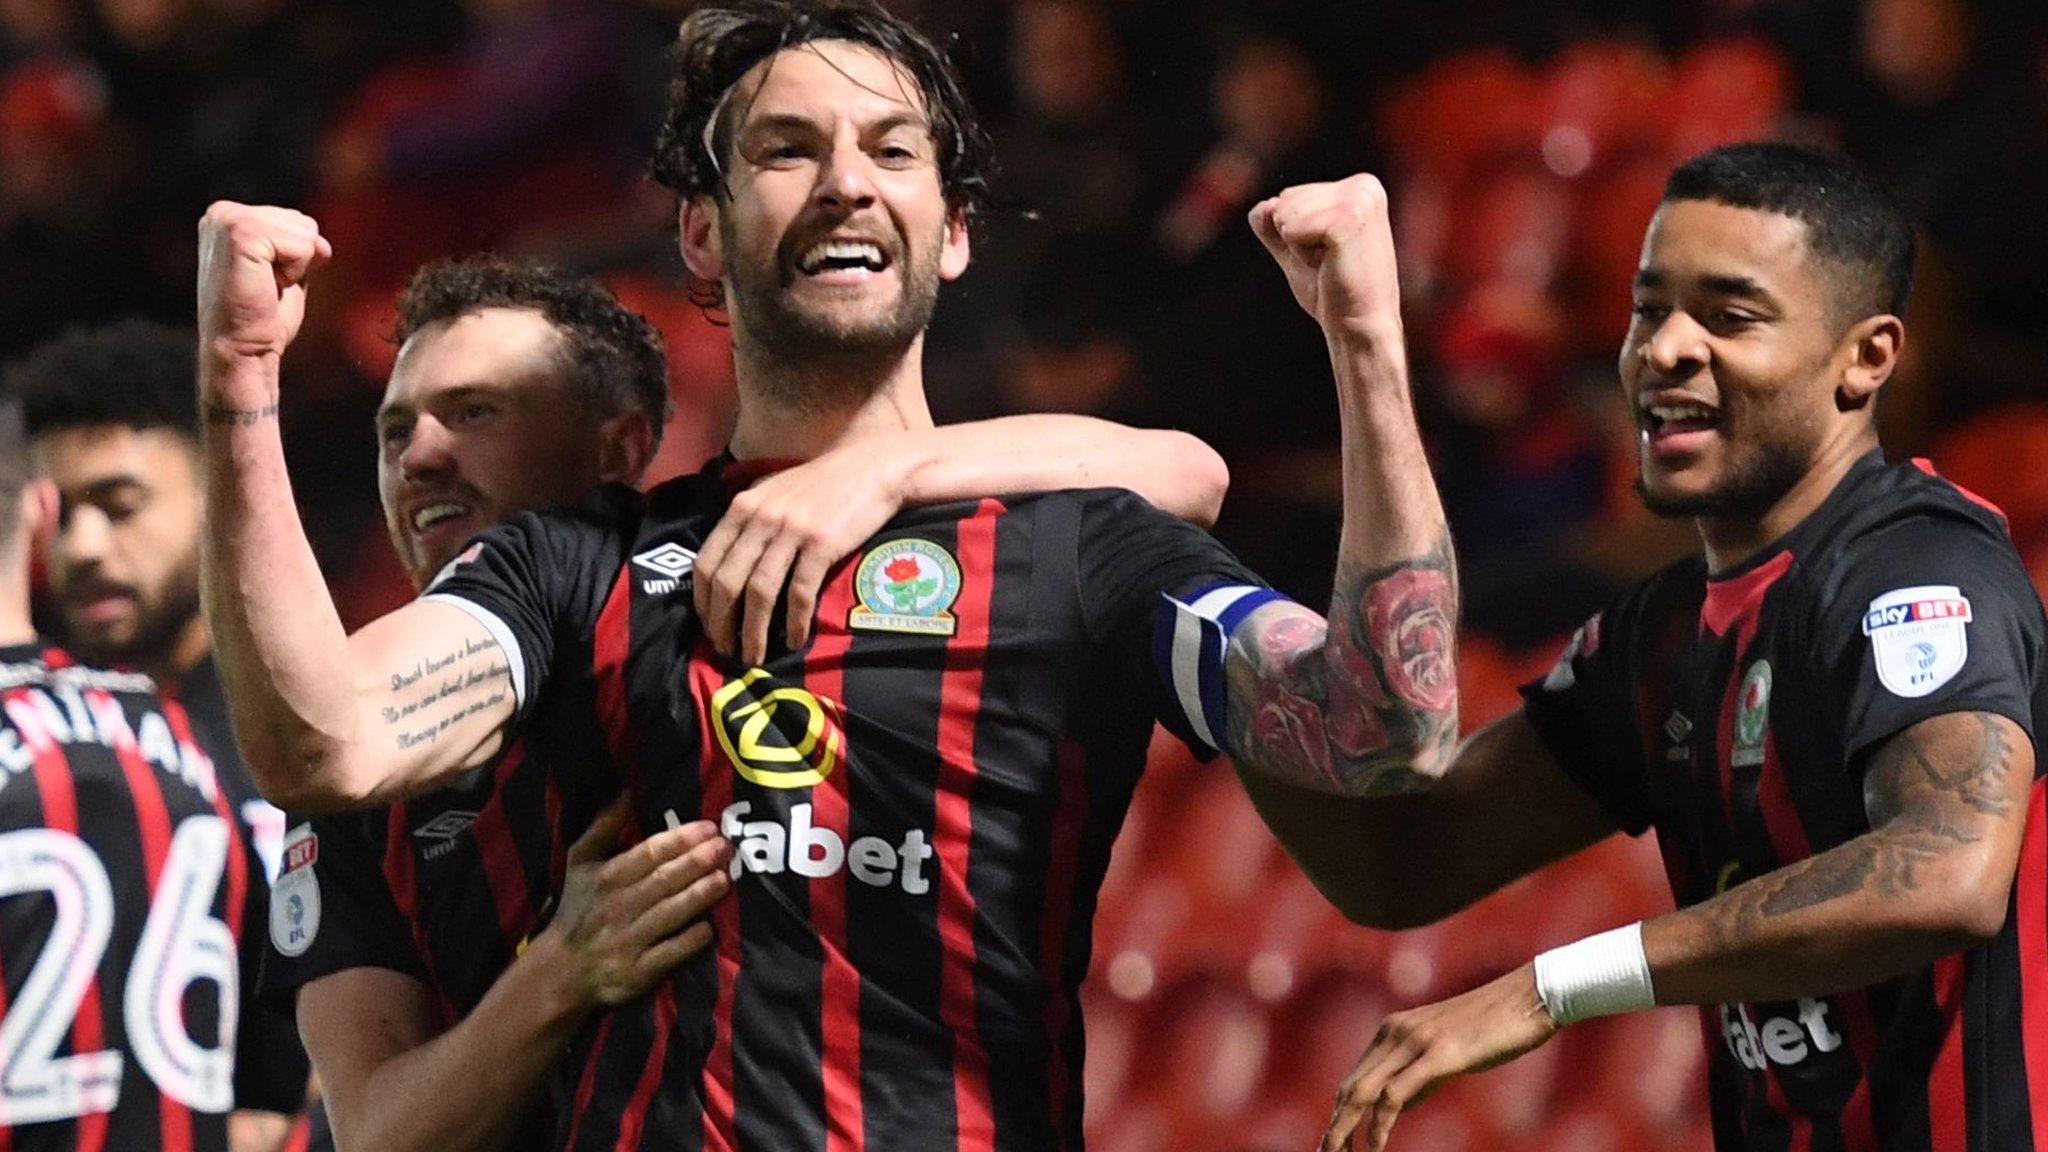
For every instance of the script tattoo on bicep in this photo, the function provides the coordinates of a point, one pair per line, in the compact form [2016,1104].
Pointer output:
[442,691]
[1928,792]
[1353,705]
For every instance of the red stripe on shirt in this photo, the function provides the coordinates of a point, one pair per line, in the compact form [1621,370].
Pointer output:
[1948,1101]
[59,797]
[224,807]
[494,844]
[608,647]
[586,1085]
[1069,821]
[153,817]
[635,1117]
[400,875]
[953,834]
[2033,933]
[714,777]
[832,807]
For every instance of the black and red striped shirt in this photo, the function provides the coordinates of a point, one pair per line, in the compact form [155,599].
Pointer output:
[446,888]
[1736,714]
[922,803]
[131,901]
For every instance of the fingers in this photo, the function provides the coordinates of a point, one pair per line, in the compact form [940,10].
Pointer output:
[667,909]
[636,863]
[1267,229]
[663,958]
[805,582]
[602,837]
[764,586]
[725,586]
[710,555]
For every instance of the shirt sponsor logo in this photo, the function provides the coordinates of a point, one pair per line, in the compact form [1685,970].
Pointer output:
[1752,716]
[1783,1041]
[771,847]
[777,735]
[295,898]
[1919,637]
[906,586]
[669,562]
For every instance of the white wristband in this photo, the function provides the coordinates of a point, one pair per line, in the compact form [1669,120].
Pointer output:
[1598,976]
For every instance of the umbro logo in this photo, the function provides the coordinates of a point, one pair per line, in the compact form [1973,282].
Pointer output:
[446,826]
[1677,727]
[670,561]
[441,831]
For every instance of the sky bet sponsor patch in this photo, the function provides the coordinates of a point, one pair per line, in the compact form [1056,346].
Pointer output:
[1919,637]
[295,898]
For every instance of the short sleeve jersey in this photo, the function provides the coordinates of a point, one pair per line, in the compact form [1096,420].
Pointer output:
[1736,715]
[922,802]
[131,912]
[448,887]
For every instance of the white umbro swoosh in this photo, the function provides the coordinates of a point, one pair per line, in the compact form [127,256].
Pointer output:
[670,560]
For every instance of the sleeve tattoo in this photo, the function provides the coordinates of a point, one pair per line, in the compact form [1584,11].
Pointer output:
[1364,704]
[1929,791]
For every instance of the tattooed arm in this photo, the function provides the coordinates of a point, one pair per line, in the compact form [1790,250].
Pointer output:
[1947,805]
[1367,702]
[323,720]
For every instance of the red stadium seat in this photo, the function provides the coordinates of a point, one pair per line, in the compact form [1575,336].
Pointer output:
[1513,227]
[1464,114]
[1612,214]
[1599,101]
[1206,1045]
[2002,456]
[1724,92]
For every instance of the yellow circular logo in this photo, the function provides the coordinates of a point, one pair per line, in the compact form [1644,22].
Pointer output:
[782,737]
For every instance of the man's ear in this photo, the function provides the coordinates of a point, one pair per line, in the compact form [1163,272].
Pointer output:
[703,246]
[1873,346]
[955,254]
[626,445]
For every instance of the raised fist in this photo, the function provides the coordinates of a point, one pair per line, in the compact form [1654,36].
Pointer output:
[253,264]
[1337,248]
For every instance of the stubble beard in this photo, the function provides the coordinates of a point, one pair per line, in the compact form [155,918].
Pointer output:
[160,623]
[819,361]
[1751,485]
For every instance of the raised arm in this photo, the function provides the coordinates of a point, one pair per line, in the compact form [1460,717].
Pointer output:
[396,1082]
[1367,702]
[790,528]
[323,720]
[1947,805]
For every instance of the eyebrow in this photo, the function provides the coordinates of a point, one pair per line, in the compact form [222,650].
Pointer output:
[791,122]
[1720,284]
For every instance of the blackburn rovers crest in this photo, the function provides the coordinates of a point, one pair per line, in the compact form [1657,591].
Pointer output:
[906,586]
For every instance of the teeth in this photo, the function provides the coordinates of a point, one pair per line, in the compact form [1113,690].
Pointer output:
[433,514]
[862,250]
[1671,412]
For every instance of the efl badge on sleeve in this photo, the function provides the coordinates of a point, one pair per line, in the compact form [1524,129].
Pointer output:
[1919,637]
[1752,716]
[906,586]
[295,898]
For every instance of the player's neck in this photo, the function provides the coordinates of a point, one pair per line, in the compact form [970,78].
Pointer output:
[1732,540]
[795,411]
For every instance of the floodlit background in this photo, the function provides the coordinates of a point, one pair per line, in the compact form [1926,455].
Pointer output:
[1525,142]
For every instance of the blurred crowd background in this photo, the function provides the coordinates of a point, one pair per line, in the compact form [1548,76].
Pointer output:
[1525,142]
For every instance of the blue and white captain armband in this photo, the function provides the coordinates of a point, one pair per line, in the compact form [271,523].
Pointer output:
[1189,642]
[1602,975]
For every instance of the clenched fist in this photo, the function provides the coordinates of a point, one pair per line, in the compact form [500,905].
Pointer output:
[1337,248]
[253,264]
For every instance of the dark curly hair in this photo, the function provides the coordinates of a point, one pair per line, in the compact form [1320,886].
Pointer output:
[719,45]
[137,374]
[616,354]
